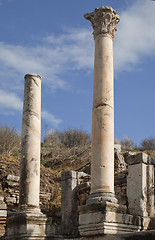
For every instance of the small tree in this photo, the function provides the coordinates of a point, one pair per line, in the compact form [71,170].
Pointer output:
[51,138]
[9,139]
[68,138]
[127,143]
[148,144]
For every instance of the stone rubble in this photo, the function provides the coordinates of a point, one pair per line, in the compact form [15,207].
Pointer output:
[89,208]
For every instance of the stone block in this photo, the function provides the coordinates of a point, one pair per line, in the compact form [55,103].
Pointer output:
[3,206]
[140,185]
[108,218]
[1,198]
[13,178]
[69,201]
[117,147]
[11,200]
[13,184]
[26,225]
[138,158]
[68,175]
[146,235]
[3,213]
[69,213]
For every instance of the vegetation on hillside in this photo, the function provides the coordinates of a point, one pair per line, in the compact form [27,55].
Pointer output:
[68,138]
[9,140]
[60,151]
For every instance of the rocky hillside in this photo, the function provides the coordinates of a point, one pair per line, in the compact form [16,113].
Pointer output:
[54,160]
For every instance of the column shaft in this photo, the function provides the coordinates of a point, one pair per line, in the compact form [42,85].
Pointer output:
[102,164]
[30,144]
[103,22]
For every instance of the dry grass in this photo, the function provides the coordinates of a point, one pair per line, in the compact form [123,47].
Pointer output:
[56,160]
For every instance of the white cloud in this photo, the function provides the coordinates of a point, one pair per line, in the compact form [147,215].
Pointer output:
[52,58]
[73,50]
[135,38]
[49,117]
[10,101]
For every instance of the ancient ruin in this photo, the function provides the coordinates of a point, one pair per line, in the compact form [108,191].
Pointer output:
[103,21]
[28,221]
[117,202]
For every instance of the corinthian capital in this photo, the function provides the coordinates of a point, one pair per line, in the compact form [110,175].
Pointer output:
[104,20]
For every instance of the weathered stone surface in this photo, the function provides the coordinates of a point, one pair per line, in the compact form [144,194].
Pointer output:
[117,147]
[140,185]
[1,199]
[12,178]
[103,21]
[13,184]
[69,201]
[119,162]
[146,235]
[30,146]
[108,218]
[26,226]
[28,222]
[11,200]
[69,175]
[120,192]
[138,158]
[83,189]
[3,213]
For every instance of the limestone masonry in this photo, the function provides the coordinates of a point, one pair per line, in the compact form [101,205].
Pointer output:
[114,202]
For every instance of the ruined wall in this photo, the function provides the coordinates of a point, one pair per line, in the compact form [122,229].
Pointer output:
[75,193]
[9,199]
[10,192]
[120,180]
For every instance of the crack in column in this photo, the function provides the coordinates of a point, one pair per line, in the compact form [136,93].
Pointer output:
[35,82]
[100,105]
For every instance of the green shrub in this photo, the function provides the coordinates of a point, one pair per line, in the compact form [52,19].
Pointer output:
[42,161]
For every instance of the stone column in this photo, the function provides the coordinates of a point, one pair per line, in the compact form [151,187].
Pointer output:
[103,22]
[30,144]
[28,222]
[69,202]
[140,184]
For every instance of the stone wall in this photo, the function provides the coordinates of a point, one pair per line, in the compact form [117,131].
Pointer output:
[120,188]
[10,192]
[120,180]
[75,192]
[9,199]
[3,216]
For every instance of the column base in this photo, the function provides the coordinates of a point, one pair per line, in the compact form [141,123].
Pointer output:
[101,198]
[108,218]
[26,225]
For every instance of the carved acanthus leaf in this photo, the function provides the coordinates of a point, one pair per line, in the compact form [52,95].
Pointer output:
[103,21]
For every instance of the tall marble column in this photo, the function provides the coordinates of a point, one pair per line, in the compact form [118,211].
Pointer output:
[104,22]
[29,222]
[30,144]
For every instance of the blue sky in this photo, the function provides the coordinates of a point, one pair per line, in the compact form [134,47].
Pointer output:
[52,39]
